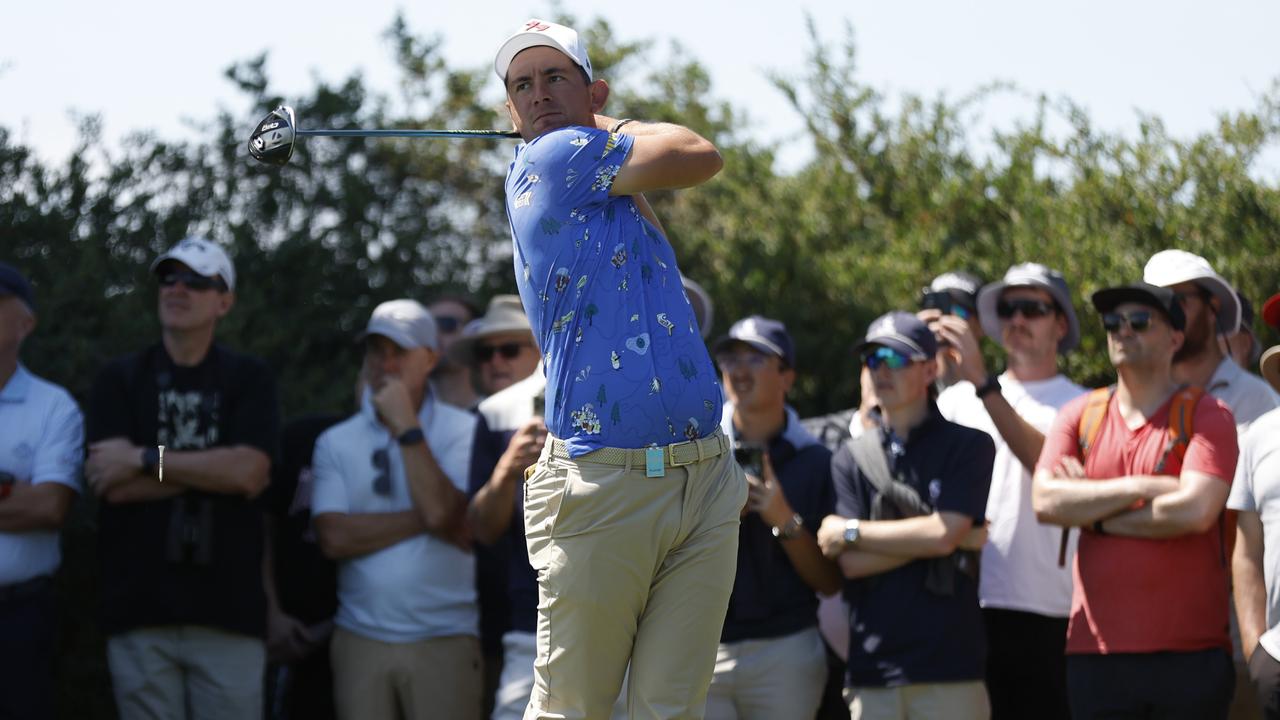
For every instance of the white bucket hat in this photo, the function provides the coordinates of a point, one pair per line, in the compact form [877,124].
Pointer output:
[1170,267]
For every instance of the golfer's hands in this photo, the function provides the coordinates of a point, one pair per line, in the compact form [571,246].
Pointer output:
[391,400]
[288,639]
[111,463]
[831,536]
[765,496]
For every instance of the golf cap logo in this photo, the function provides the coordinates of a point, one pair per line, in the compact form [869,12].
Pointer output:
[884,326]
[536,26]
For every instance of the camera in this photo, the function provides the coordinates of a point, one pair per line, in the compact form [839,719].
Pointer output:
[191,532]
[750,455]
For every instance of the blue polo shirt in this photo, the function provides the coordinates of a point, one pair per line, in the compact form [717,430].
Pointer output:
[900,633]
[624,360]
[41,440]
[769,597]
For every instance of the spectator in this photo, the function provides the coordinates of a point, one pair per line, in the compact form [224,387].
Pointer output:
[1025,587]
[951,294]
[1211,308]
[452,381]
[639,569]
[1255,495]
[41,447]
[1148,630]
[909,503]
[388,505]
[182,435]
[771,662]
[1242,346]
[303,597]
[499,346]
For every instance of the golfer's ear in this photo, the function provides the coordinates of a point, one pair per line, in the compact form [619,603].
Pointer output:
[599,91]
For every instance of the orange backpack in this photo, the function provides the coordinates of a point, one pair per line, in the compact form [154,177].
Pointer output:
[1182,409]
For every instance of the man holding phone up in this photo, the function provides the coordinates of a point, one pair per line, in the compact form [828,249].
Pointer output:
[770,662]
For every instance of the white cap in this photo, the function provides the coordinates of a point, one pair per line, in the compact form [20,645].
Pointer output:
[404,322]
[535,33]
[1170,267]
[203,256]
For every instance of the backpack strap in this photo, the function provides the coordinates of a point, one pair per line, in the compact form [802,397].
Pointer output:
[1095,410]
[1182,411]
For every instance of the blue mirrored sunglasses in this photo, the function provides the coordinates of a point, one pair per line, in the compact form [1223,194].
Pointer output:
[886,356]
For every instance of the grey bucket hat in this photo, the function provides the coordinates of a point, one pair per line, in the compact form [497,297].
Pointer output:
[1030,275]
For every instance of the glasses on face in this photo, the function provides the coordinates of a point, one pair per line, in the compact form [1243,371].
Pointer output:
[886,356]
[1138,320]
[509,351]
[382,463]
[192,280]
[448,323]
[749,360]
[1030,309]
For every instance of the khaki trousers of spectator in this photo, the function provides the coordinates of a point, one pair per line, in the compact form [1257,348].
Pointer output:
[921,701]
[186,671]
[770,679]
[629,568]
[432,678]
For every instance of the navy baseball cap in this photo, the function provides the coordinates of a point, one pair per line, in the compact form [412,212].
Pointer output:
[13,283]
[764,334]
[901,331]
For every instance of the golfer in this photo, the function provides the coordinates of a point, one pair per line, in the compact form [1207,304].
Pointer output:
[631,512]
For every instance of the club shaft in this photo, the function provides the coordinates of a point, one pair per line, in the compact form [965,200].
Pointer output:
[411,133]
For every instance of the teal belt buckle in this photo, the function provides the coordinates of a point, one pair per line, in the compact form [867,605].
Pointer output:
[654,465]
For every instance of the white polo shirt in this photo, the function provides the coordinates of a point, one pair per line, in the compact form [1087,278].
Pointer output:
[1257,489]
[1019,568]
[41,440]
[420,587]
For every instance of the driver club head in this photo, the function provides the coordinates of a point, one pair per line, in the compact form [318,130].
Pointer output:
[272,140]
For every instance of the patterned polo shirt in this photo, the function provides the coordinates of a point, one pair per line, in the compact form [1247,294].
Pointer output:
[625,363]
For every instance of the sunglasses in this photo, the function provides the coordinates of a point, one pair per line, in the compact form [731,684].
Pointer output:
[192,280]
[1138,320]
[1030,309]
[886,356]
[509,351]
[382,481]
[447,323]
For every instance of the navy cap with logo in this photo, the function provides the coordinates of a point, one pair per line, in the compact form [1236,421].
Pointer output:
[1141,293]
[12,283]
[903,332]
[764,334]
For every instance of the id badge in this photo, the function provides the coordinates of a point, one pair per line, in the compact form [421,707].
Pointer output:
[654,465]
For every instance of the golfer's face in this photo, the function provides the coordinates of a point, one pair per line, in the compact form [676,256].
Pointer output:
[546,91]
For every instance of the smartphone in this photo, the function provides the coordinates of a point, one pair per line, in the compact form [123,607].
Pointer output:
[750,455]
[540,404]
[940,301]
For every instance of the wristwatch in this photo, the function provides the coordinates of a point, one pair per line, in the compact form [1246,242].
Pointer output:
[991,385]
[412,436]
[150,459]
[789,529]
[851,532]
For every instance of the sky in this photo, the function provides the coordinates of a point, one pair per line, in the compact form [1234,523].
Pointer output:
[159,66]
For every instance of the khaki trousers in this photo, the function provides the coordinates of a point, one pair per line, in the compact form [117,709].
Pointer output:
[630,568]
[186,671]
[773,679]
[920,701]
[432,678]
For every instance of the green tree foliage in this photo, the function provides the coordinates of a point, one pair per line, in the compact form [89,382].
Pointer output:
[896,191]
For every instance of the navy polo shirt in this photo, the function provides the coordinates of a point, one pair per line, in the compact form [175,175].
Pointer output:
[899,632]
[769,598]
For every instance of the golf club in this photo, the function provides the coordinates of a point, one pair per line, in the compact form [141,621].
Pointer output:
[273,138]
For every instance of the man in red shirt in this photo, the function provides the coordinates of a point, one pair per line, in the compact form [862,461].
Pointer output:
[1148,628]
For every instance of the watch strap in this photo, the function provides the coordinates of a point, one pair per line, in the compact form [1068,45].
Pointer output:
[412,436]
[991,385]
[789,528]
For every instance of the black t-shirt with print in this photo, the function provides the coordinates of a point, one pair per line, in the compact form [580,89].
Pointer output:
[197,558]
